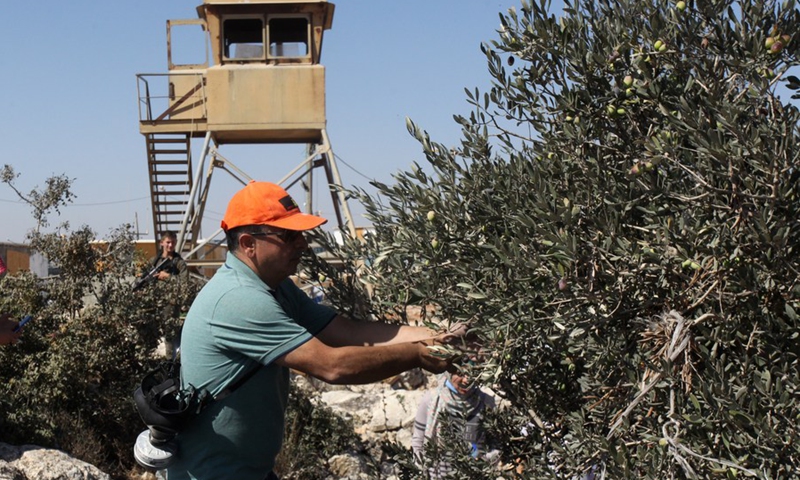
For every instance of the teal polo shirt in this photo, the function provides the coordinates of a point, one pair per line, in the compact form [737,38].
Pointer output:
[237,324]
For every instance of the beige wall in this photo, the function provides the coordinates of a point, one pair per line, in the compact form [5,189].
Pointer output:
[266,103]
[16,258]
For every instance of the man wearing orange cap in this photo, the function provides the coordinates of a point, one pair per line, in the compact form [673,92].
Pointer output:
[252,318]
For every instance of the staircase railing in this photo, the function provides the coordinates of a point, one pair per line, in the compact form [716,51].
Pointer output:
[159,96]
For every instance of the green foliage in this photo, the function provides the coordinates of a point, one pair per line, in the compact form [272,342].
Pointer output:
[56,194]
[629,259]
[448,459]
[68,383]
[344,283]
[314,433]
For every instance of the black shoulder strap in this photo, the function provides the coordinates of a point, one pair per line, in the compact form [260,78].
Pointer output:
[235,385]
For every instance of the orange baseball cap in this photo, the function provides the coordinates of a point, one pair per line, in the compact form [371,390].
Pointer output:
[265,203]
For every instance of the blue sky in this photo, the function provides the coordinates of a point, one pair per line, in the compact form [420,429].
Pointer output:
[69,103]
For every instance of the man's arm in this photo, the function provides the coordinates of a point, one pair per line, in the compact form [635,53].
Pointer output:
[183,269]
[178,264]
[343,331]
[7,326]
[360,365]
[346,332]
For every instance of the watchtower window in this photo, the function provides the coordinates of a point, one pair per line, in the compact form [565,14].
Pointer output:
[288,37]
[243,38]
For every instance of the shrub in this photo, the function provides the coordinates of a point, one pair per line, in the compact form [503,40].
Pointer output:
[314,434]
[68,383]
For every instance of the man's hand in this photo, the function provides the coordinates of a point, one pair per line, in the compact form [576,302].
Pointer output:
[7,327]
[162,275]
[455,332]
[436,358]
[458,335]
[448,348]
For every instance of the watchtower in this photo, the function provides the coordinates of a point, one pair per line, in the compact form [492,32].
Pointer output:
[263,84]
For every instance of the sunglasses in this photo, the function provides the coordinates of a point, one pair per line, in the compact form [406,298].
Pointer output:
[286,236]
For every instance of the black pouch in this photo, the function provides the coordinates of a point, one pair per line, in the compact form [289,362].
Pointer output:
[163,406]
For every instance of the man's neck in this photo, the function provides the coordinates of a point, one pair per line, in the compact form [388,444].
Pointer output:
[272,283]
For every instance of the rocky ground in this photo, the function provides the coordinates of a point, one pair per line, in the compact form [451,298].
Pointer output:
[380,411]
[29,462]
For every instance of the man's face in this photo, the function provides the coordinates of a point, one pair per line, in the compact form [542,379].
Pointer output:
[167,245]
[278,253]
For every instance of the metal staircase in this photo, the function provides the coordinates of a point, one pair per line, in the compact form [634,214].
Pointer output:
[169,161]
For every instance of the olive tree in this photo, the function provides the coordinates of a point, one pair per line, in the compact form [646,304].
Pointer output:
[619,226]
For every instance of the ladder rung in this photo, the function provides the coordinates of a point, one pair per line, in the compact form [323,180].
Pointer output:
[168,140]
[170,162]
[171,172]
[171,212]
[167,182]
[163,151]
[170,193]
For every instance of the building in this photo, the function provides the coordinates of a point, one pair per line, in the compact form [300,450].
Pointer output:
[19,257]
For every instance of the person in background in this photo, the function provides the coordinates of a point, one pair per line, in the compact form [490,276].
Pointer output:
[7,327]
[251,321]
[168,266]
[456,407]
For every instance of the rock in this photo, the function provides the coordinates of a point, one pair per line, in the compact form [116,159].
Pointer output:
[403,437]
[32,462]
[395,410]
[348,466]
[378,411]
[8,472]
[344,400]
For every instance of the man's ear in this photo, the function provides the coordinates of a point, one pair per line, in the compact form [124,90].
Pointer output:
[247,242]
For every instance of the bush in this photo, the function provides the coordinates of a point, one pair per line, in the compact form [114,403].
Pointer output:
[68,384]
[314,434]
